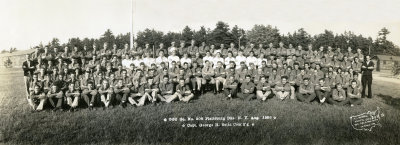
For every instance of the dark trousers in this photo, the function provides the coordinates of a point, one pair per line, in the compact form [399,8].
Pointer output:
[89,98]
[322,94]
[366,80]
[355,101]
[246,96]
[121,97]
[341,103]
[56,102]
[306,97]
[231,91]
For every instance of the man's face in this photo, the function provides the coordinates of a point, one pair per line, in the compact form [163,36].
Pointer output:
[353,85]
[262,80]
[165,79]
[71,86]
[124,73]
[306,82]
[120,82]
[90,85]
[284,80]
[321,82]
[36,89]
[368,58]
[247,79]
[181,82]
[105,83]
[54,88]
[105,45]
[339,87]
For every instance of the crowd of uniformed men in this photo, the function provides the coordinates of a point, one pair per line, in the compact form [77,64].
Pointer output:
[117,75]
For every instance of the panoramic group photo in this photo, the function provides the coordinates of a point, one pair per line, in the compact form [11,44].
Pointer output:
[199,72]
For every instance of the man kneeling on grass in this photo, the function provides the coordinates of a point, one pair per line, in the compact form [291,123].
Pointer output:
[55,96]
[283,90]
[37,98]
[338,96]
[306,91]
[183,92]
[166,90]
[264,91]
[72,96]
[354,94]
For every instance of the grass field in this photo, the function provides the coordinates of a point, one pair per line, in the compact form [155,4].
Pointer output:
[295,123]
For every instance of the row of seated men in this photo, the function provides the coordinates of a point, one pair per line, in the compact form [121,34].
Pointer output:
[149,86]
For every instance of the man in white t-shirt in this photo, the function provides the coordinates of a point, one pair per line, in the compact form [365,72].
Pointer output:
[251,59]
[216,59]
[148,60]
[186,59]
[229,58]
[126,62]
[161,58]
[173,57]
[240,58]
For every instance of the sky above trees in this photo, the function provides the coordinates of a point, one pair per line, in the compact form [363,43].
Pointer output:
[26,23]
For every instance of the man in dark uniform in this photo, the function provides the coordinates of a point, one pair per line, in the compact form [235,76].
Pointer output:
[366,79]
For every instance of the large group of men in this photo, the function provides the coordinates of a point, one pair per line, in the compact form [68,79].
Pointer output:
[115,75]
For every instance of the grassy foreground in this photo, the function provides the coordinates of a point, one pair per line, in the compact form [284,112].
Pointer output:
[295,123]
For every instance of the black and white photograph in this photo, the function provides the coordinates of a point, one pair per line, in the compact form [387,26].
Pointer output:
[234,72]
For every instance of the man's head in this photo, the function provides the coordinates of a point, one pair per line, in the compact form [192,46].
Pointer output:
[284,79]
[247,78]
[306,81]
[36,89]
[353,84]
[181,81]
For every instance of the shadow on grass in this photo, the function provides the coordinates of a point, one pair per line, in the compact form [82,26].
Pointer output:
[394,102]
